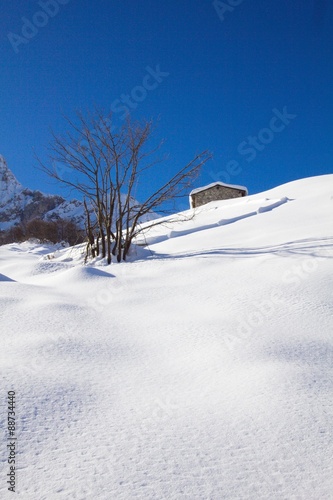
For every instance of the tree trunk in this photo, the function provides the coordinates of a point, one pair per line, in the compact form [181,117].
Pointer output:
[126,249]
[90,235]
[108,243]
[97,246]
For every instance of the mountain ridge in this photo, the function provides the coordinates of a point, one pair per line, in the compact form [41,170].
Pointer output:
[19,205]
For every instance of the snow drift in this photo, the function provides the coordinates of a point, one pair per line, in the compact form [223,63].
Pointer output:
[202,369]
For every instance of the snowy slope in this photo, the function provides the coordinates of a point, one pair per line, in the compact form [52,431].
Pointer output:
[201,369]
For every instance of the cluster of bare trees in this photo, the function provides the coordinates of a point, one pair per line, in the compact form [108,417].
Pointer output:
[44,231]
[106,165]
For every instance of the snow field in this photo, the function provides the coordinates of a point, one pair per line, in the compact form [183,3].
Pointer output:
[202,369]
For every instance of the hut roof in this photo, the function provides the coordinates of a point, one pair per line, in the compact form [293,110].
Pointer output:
[218,183]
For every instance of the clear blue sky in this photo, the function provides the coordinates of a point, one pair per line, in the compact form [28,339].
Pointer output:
[223,72]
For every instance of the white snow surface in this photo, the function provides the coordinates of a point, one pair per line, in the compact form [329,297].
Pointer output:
[200,369]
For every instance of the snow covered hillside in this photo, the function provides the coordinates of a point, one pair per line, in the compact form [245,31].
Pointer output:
[19,204]
[201,369]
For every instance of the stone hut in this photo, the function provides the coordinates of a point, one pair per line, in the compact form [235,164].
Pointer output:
[215,191]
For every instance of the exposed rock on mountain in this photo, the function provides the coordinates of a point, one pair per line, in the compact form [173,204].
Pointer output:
[20,205]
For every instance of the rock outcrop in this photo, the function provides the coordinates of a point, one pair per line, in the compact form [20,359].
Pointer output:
[19,205]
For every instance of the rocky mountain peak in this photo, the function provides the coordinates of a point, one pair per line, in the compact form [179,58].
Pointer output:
[20,205]
[9,185]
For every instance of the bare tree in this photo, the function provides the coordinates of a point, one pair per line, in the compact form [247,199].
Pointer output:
[106,166]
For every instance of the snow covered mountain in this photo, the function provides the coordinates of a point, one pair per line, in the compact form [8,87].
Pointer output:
[19,204]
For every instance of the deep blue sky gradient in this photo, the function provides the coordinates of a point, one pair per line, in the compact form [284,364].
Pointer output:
[225,78]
